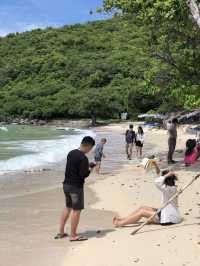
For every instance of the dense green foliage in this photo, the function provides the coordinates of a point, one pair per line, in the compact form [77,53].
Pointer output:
[102,68]
[173,37]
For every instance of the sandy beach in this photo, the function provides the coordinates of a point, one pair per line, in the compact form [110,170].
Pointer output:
[31,206]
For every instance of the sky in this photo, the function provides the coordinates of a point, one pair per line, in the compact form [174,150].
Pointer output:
[23,15]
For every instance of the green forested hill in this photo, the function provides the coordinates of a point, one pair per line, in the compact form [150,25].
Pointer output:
[97,69]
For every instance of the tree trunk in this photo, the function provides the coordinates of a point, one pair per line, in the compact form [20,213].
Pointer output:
[94,120]
[194,10]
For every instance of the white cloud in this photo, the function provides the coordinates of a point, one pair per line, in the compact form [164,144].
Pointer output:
[3,33]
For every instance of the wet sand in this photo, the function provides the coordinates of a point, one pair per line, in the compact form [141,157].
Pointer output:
[30,207]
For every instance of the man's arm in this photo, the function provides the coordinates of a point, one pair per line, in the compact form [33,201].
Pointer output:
[84,168]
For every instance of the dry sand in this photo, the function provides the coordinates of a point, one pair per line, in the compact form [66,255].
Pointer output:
[30,209]
[155,245]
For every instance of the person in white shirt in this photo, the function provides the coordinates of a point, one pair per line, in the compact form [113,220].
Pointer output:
[165,182]
[139,141]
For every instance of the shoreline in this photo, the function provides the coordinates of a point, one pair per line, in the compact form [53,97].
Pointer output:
[45,164]
[29,221]
[26,197]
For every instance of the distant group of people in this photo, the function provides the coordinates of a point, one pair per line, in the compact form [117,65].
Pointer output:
[78,169]
[134,139]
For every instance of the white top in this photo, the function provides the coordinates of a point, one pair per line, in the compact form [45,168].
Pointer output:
[140,137]
[170,214]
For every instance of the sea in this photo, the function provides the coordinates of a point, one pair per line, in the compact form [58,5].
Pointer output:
[25,148]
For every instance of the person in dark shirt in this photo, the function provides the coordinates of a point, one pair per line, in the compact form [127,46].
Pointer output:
[77,169]
[172,132]
[130,138]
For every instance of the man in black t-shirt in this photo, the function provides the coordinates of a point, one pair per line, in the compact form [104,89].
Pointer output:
[77,169]
[130,140]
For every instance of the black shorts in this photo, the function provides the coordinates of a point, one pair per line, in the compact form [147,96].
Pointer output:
[139,144]
[74,197]
[97,159]
[157,219]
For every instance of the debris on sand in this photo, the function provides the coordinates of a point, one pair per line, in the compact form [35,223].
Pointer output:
[136,260]
[37,170]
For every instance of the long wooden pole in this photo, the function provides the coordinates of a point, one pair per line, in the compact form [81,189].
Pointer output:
[165,204]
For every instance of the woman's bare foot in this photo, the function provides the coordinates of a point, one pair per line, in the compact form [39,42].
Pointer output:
[116,221]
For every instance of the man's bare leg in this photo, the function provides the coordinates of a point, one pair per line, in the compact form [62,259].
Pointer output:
[127,151]
[64,217]
[131,152]
[137,151]
[140,151]
[75,217]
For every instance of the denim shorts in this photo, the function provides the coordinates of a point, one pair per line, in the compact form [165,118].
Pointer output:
[98,158]
[74,197]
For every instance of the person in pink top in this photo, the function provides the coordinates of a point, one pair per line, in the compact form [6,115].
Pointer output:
[192,152]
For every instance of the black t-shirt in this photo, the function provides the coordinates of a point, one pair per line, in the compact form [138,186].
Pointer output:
[77,169]
[130,136]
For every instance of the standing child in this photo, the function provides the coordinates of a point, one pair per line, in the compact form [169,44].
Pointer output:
[98,154]
[139,141]
[77,169]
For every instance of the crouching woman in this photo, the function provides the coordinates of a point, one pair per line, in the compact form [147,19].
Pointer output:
[166,183]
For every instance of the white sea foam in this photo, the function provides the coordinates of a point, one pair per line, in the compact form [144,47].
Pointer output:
[44,152]
[3,128]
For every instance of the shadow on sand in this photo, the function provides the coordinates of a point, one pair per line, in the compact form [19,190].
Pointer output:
[163,228]
[97,233]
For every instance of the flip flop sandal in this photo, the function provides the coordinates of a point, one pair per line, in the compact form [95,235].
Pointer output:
[60,236]
[78,239]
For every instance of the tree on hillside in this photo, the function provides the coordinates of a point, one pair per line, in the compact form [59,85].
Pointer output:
[173,38]
[157,9]
[96,104]
[145,57]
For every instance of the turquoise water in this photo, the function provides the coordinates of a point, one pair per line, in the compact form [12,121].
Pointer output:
[28,147]
[12,136]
